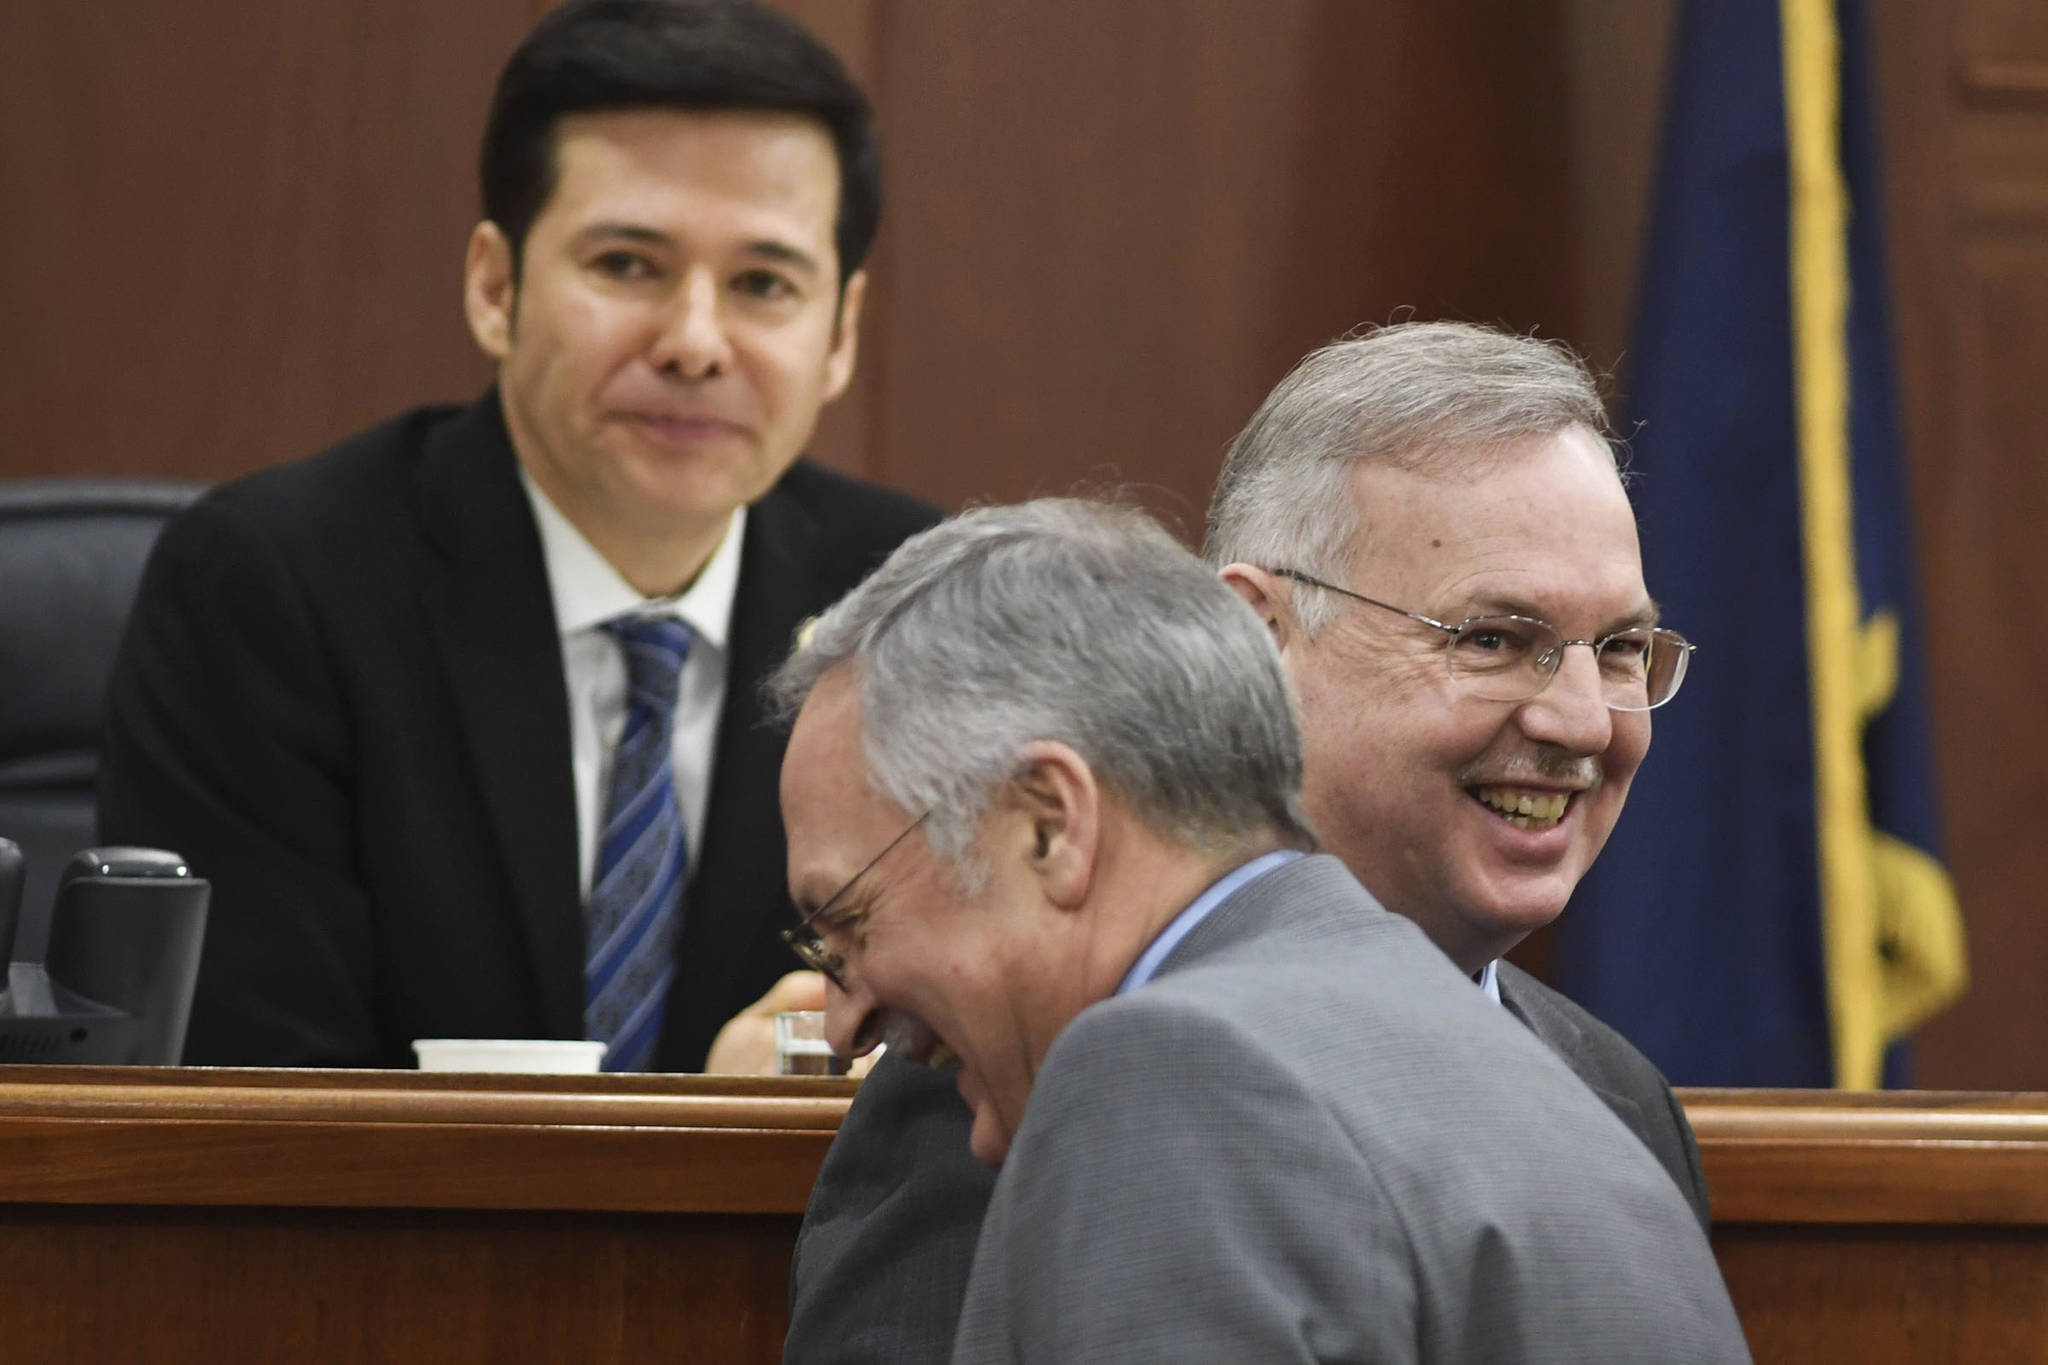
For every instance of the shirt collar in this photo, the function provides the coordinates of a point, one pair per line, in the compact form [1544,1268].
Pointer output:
[588,591]
[1198,910]
[1221,890]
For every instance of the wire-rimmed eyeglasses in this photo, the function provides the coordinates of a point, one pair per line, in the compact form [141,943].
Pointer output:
[803,938]
[1512,658]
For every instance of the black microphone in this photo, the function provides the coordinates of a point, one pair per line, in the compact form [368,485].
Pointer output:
[115,987]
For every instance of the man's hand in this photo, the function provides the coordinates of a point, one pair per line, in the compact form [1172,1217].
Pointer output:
[746,1045]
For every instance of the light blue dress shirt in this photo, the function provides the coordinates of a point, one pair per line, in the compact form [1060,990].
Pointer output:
[1222,889]
[1198,910]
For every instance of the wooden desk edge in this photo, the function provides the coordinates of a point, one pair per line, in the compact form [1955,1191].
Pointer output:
[656,1144]
[1872,1158]
[663,1144]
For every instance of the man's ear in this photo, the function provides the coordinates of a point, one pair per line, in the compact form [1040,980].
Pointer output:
[845,336]
[1262,591]
[1061,802]
[490,289]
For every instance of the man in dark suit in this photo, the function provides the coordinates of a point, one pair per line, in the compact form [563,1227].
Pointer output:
[1455,472]
[1242,1112]
[460,717]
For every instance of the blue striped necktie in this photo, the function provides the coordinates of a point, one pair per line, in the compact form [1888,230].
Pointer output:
[635,909]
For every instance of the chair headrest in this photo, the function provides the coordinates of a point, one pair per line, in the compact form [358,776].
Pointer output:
[71,555]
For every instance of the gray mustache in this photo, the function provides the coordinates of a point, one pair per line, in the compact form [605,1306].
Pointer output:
[1580,770]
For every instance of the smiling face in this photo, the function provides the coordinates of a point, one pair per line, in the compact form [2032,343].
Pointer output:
[1445,805]
[674,325]
[944,975]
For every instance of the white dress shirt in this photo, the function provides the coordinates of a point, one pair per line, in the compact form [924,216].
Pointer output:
[587,592]
[1489,981]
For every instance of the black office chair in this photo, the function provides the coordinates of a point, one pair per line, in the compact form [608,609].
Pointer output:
[71,554]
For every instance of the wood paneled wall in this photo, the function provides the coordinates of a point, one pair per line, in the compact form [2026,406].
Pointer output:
[231,232]
[1966,89]
[1114,226]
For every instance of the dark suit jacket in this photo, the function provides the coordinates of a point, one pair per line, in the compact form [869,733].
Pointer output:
[1625,1080]
[1308,1139]
[341,699]
[888,1239]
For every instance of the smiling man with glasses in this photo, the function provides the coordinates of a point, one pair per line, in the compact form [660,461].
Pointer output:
[1242,1112]
[1432,524]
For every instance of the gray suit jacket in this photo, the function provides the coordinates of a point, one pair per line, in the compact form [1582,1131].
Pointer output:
[1309,1139]
[889,1237]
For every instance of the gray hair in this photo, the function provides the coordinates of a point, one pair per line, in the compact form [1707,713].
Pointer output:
[1417,394]
[1067,620]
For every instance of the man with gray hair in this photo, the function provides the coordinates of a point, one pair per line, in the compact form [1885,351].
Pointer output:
[1453,471]
[1429,518]
[1041,798]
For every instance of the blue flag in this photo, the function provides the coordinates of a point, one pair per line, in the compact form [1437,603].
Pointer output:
[1770,910]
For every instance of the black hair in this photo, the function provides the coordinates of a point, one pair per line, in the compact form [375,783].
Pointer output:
[592,55]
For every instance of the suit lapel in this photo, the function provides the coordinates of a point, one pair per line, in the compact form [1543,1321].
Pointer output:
[1310,893]
[492,617]
[1519,993]
[743,858]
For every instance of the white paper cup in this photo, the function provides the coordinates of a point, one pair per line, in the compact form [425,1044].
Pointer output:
[530,1055]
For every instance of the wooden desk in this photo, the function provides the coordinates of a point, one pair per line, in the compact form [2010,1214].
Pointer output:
[254,1216]
[1910,1226]
[179,1216]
